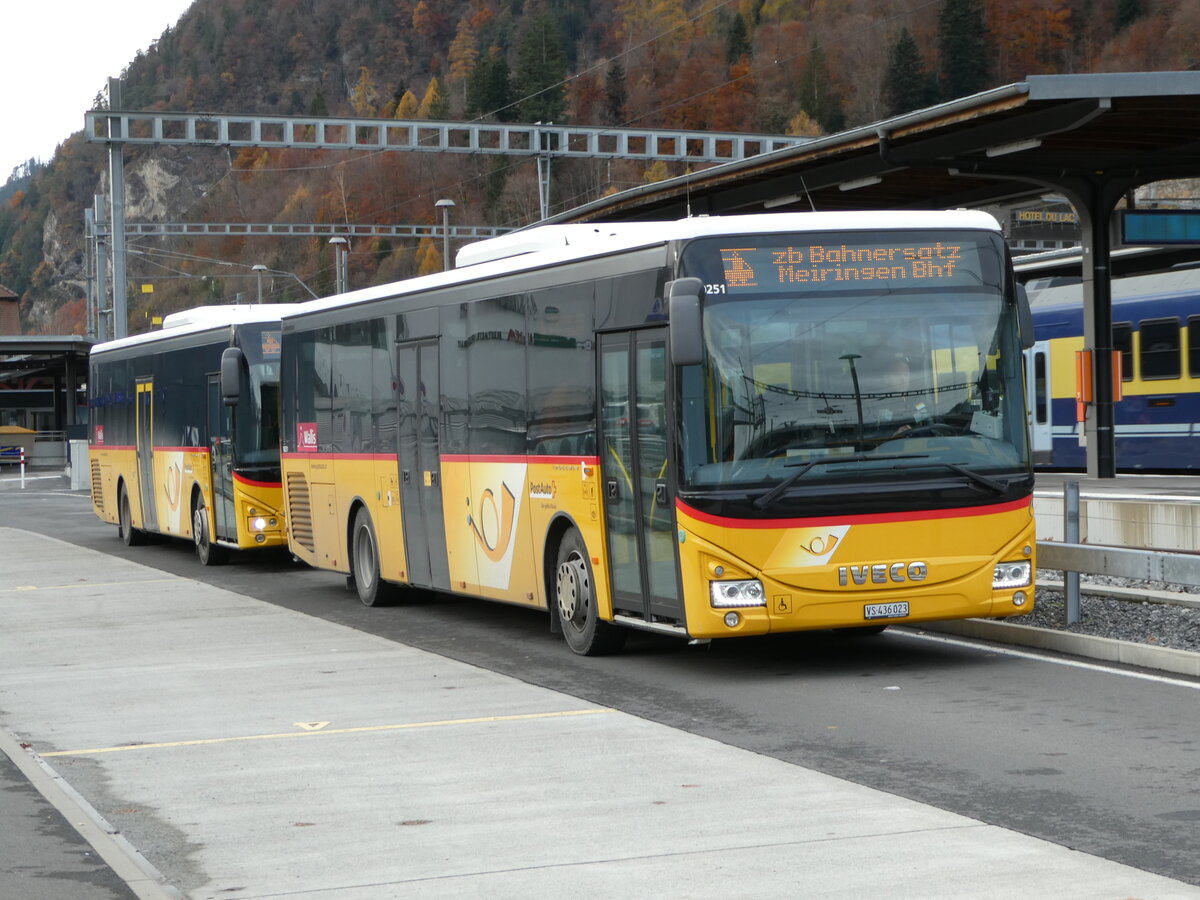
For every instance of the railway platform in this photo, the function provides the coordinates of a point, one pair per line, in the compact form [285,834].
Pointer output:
[210,745]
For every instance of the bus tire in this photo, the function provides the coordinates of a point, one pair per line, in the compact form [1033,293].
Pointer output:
[364,563]
[130,536]
[575,600]
[207,552]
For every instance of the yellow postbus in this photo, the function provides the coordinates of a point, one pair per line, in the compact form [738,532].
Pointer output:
[168,454]
[705,428]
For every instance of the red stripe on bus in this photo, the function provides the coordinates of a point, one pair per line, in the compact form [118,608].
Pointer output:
[250,482]
[316,454]
[865,519]
[531,458]
[448,457]
[203,450]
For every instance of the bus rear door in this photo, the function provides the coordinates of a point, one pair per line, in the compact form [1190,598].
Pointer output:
[145,452]
[420,464]
[638,501]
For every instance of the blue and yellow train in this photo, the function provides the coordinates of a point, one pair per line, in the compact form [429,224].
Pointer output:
[1156,327]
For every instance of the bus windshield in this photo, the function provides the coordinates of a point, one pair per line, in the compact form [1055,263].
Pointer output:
[853,363]
[256,435]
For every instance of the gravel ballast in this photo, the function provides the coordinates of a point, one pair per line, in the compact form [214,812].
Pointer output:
[1155,624]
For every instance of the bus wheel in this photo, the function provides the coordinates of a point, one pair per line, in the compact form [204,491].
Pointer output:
[364,563]
[575,596]
[207,552]
[130,536]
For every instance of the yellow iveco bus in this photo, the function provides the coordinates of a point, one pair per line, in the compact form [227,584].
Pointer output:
[167,455]
[706,428]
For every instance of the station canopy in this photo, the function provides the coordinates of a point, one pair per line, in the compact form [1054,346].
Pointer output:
[1092,137]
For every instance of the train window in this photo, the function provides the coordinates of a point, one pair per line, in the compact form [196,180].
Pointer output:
[1159,356]
[1193,335]
[1122,333]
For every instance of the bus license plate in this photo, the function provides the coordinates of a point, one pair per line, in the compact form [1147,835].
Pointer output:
[885,610]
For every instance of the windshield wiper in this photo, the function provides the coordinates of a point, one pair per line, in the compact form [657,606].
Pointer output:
[998,486]
[776,492]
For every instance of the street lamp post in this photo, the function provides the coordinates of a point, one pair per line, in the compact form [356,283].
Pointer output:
[445,206]
[258,270]
[341,274]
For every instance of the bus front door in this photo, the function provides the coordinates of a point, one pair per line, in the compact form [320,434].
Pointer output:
[145,453]
[420,464]
[220,438]
[1038,390]
[639,505]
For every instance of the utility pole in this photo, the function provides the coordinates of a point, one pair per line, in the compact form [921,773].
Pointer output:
[116,185]
[102,308]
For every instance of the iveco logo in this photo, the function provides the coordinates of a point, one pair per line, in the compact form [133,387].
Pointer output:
[883,573]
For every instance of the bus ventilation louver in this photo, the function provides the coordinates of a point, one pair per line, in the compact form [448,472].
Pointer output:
[300,523]
[97,487]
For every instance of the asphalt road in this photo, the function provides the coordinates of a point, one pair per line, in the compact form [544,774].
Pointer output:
[1106,761]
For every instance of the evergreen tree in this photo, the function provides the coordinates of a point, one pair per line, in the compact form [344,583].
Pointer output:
[907,86]
[816,98]
[1127,12]
[540,70]
[489,92]
[964,48]
[318,106]
[737,40]
[615,93]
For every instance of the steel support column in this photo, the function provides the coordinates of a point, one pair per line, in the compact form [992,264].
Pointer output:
[116,184]
[1094,200]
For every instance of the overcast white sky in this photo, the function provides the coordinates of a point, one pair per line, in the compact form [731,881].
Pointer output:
[57,55]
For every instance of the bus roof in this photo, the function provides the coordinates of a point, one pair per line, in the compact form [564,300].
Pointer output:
[548,245]
[200,319]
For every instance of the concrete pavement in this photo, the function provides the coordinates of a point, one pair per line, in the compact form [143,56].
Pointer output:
[223,747]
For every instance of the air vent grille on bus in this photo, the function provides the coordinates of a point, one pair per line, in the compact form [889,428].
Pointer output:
[300,523]
[97,486]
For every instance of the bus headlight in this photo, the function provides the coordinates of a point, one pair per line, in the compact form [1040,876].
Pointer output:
[724,594]
[1012,575]
[258,524]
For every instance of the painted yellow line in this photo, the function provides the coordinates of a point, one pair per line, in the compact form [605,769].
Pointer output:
[299,734]
[85,584]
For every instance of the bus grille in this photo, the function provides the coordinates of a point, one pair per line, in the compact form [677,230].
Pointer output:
[97,486]
[300,524]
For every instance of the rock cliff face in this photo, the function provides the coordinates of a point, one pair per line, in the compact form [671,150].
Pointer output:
[61,273]
[154,187]
[157,190]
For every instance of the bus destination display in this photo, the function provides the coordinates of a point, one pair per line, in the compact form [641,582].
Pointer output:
[750,269]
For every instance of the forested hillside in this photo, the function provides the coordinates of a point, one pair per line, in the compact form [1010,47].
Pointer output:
[783,66]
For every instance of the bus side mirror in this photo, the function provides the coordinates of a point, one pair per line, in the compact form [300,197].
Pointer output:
[1025,318]
[687,333]
[231,370]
